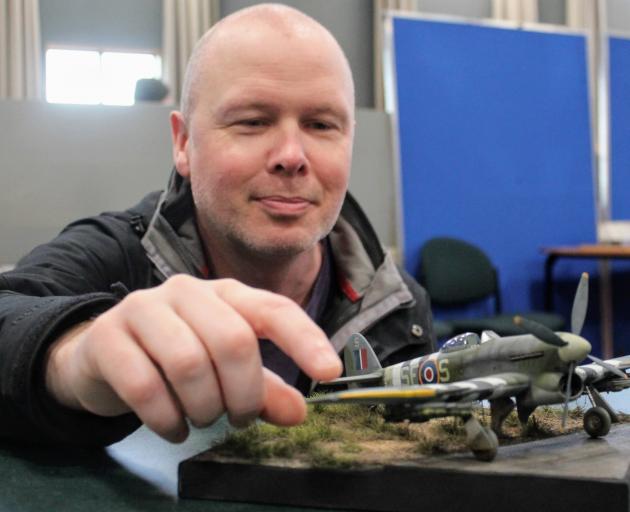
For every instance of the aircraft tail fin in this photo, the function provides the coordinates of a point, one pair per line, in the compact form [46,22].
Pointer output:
[359,357]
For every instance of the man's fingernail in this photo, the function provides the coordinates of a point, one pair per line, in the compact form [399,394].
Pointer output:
[326,359]
[180,436]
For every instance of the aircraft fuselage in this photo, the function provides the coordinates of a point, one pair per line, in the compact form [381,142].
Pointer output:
[523,354]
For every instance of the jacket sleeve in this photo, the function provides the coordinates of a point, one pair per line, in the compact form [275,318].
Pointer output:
[53,288]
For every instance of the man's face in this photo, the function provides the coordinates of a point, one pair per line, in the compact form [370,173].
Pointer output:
[269,145]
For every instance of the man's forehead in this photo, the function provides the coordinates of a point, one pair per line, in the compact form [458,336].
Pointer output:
[236,75]
[277,37]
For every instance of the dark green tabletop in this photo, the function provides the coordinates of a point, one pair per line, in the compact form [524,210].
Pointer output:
[139,473]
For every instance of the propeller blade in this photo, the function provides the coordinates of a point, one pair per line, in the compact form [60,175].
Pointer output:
[567,396]
[608,366]
[540,331]
[580,305]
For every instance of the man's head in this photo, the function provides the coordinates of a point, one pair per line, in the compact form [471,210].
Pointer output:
[266,129]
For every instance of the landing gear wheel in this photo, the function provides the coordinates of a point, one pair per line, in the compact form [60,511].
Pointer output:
[489,452]
[597,422]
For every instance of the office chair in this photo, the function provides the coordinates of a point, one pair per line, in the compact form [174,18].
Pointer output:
[150,89]
[443,330]
[456,273]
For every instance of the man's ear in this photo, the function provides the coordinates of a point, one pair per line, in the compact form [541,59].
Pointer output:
[179,136]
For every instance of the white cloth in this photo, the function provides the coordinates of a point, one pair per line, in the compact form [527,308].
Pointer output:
[185,21]
[20,50]
[519,11]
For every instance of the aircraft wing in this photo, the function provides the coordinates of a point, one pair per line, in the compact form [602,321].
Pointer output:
[602,378]
[482,388]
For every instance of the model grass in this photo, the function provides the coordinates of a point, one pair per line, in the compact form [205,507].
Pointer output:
[351,435]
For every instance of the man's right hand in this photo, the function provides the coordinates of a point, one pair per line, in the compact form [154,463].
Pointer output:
[189,349]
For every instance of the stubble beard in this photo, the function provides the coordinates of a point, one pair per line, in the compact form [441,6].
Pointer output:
[225,231]
[268,250]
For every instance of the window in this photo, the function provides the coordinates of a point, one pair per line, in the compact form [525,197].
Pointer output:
[92,77]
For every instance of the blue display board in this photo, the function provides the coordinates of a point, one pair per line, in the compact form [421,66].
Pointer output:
[619,54]
[620,126]
[495,146]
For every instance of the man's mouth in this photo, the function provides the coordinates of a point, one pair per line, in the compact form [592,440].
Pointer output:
[284,205]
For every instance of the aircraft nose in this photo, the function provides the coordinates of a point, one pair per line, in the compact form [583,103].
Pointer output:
[576,350]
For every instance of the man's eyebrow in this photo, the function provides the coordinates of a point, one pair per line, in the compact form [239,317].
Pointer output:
[237,108]
[337,112]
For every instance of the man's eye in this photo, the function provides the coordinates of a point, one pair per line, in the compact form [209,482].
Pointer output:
[252,123]
[321,125]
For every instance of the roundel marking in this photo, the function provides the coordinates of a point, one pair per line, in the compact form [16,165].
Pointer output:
[428,373]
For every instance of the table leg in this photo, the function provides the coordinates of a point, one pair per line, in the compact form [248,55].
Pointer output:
[549,263]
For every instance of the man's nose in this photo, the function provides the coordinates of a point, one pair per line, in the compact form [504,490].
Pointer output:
[288,155]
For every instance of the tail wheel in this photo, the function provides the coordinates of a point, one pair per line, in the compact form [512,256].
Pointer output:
[597,422]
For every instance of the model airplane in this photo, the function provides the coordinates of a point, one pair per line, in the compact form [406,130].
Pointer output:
[536,369]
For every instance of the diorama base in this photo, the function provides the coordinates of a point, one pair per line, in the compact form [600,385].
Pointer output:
[566,473]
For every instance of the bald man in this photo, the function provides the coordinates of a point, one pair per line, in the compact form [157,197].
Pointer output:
[233,290]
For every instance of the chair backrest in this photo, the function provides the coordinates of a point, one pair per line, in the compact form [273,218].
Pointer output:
[455,272]
[150,89]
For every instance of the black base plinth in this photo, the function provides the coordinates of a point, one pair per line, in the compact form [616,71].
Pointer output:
[568,473]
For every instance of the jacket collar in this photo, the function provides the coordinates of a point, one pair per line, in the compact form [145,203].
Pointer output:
[172,241]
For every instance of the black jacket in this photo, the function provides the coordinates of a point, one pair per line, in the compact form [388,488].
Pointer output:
[93,262]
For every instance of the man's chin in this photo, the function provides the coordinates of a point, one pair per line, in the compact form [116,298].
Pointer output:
[280,247]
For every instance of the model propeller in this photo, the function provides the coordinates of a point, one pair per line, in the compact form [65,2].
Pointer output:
[543,333]
[580,305]
[578,314]
[567,395]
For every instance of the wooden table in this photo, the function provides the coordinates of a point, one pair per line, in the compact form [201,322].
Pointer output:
[603,253]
